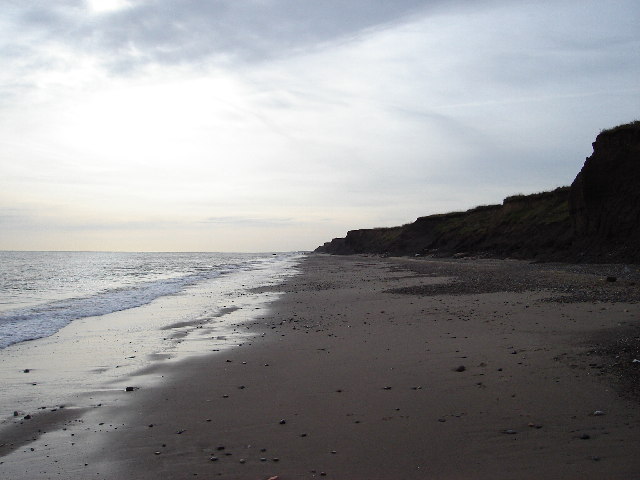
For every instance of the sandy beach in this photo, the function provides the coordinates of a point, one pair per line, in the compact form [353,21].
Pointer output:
[380,368]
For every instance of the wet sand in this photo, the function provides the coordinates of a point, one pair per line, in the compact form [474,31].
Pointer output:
[372,368]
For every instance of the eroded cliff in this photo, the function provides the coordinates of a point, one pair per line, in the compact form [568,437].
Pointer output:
[597,218]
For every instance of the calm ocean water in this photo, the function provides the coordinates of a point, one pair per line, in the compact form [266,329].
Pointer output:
[41,292]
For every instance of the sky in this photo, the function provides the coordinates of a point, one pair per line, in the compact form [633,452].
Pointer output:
[276,125]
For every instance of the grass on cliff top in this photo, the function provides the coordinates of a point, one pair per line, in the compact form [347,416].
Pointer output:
[544,212]
[544,208]
[619,128]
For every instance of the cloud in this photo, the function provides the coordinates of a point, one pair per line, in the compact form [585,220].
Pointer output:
[187,31]
[253,221]
[276,114]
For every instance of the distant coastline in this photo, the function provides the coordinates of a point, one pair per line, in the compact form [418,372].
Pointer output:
[595,219]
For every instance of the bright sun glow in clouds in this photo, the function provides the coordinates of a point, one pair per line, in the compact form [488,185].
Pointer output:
[258,126]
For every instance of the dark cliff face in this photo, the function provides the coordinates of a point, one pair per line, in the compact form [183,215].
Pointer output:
[596,219]
[521,227]
[605,196]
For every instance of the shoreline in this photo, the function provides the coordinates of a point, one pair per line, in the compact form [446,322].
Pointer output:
[381,368]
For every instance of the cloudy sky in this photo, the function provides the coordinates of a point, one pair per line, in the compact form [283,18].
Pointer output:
[254,125]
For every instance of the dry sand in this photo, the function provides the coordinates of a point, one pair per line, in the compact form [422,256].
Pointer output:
[372,368]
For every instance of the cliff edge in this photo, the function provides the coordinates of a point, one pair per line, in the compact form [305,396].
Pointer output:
[595,219]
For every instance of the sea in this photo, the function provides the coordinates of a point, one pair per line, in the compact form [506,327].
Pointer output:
[77,321]
[42,292]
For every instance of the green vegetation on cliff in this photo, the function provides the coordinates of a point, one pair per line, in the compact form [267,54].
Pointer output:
[596,218]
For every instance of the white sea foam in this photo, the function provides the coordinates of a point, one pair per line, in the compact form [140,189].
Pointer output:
[57,288]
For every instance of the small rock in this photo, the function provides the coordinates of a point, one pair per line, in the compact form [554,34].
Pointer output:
[611,279]
[509,432]
[283,421]
[386,388]
[214,459]
[27,417]
[585,436]
[598,413]
[461,368]
[26,370]
[131,389]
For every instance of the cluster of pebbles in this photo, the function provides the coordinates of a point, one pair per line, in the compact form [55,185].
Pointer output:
[618,348]
[564,282]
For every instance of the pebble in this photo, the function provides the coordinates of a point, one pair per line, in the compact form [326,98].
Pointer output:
[461,368]
[509,432]
[282,422]
[598,413]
